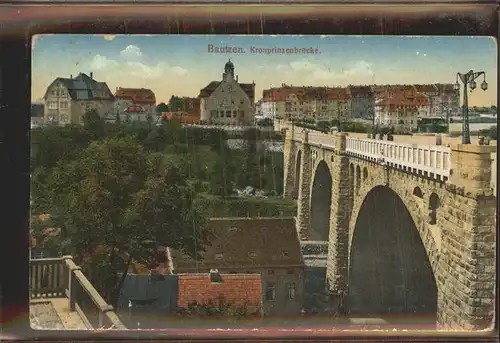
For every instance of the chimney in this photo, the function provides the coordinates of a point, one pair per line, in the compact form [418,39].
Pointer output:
[215,276]
[71,76]
[92,75]
[236,78]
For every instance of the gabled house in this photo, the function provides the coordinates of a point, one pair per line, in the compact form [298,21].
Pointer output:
[134,104]
[227,102]
[399,108]
[266,246]
[144,298]
[67,99]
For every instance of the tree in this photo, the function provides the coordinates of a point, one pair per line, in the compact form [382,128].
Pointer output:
[117,204]
[162,107]
[55,143]
[251,171]
[176,104]
[156,139]
[221,179]
[93,122]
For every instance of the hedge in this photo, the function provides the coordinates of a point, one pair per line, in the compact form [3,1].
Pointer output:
[215,206]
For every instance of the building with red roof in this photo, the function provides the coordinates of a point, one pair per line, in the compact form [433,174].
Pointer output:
[239,290]
[320,103]
[227,102]
[399,107]
[157,301]
[132,104]
[248,246]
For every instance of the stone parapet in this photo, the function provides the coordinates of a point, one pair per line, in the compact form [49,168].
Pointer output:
[471,167]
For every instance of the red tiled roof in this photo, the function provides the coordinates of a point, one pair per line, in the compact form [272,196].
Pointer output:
[237,289]
[399,97]
[248,88]
[137,95]
[306,93]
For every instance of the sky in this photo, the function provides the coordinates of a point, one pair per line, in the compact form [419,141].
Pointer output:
[182,64]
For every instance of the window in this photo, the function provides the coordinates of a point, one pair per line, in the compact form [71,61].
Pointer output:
[63,104]
[289,271]
[52,105]
[213,114]
[233,272]
[252,254]
[228,114]
[271,291]
[290,287]
[233,229]
[241,102]
[270,272]
[219,256]
[284,253]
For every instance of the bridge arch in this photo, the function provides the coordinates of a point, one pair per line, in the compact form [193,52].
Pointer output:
[296,185]
[389,266]
[321,201]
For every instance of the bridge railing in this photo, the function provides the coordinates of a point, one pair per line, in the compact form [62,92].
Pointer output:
[432,161]
[324,139]
[61,277]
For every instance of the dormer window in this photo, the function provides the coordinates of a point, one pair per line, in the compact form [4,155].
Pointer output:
[233,229]
[219,256]
[252,254]
[285,254]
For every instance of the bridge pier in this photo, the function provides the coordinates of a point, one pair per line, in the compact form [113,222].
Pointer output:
[338,247]
[289,153]
[304,199]
[466,272]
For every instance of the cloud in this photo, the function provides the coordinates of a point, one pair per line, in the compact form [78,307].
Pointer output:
[131,52]
[179,71]
[310,72]
[136,69]
[100,62]
[360,68]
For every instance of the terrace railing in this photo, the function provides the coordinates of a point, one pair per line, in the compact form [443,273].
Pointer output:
[61,277]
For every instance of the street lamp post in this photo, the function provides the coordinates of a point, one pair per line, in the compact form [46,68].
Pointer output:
[468,79]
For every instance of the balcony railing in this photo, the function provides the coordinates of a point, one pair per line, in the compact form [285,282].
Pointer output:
[61,277]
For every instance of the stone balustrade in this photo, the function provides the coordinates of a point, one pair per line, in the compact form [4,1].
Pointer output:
[431,161]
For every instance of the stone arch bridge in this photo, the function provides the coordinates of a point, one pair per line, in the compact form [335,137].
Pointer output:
[411,229]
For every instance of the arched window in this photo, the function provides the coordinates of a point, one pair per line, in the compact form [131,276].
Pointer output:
[418,192]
